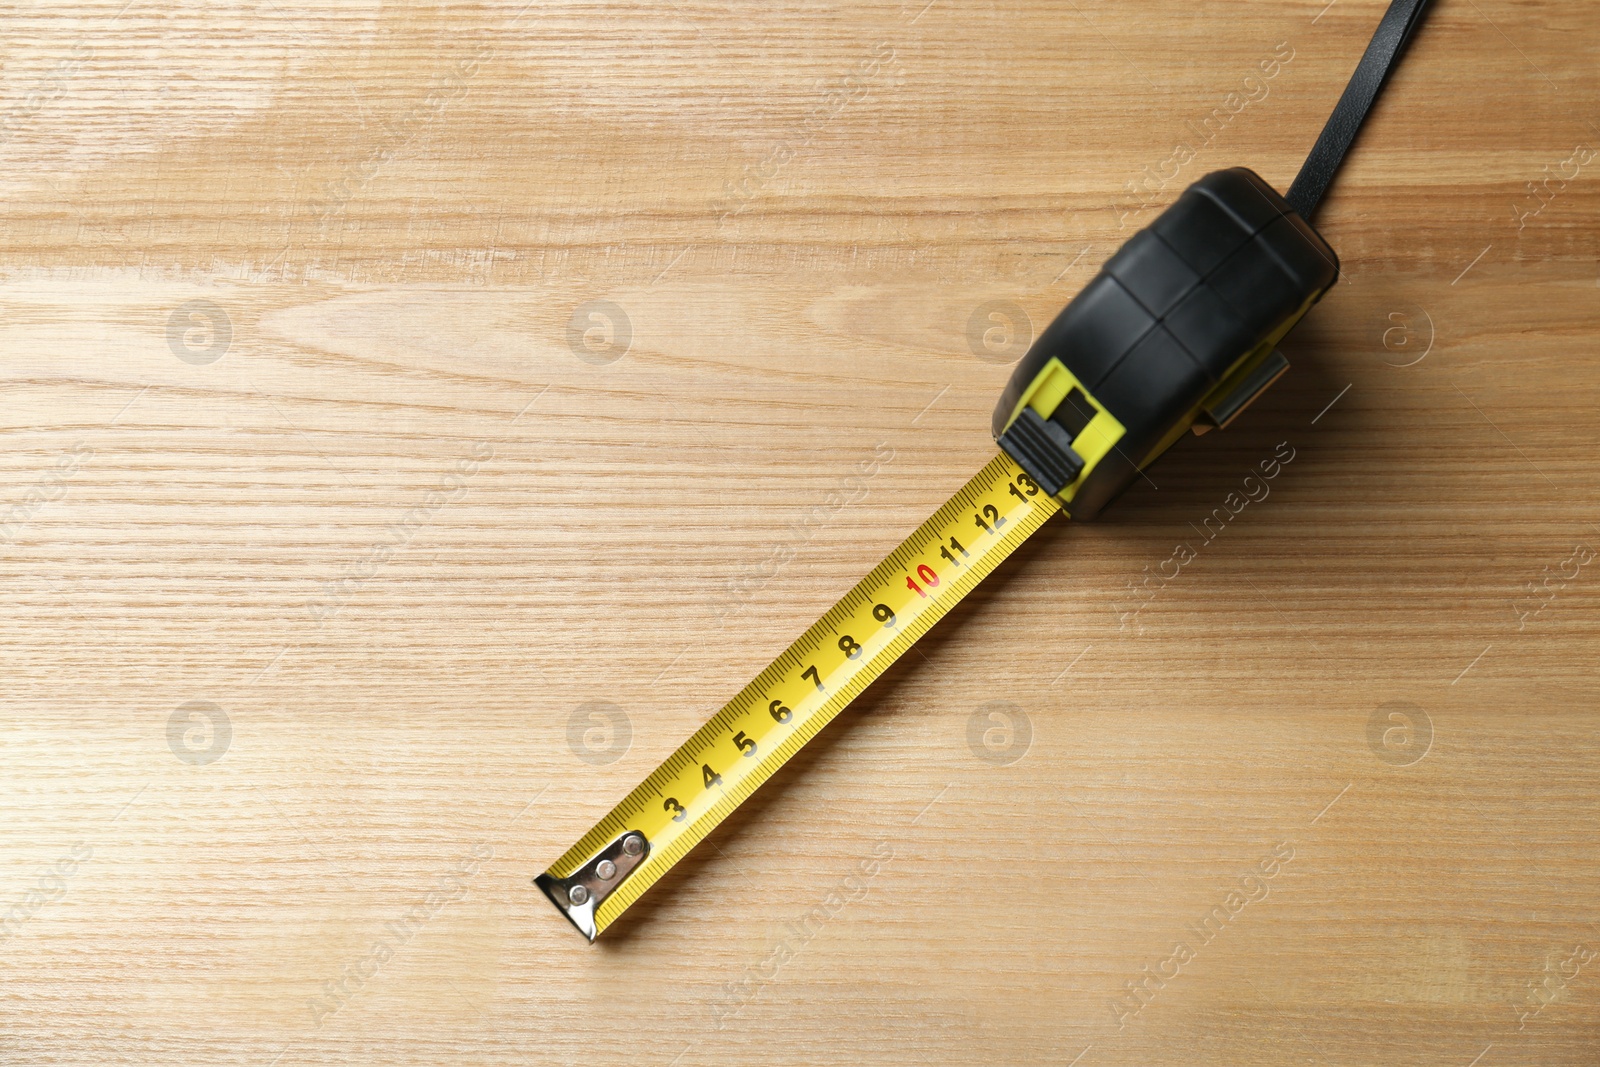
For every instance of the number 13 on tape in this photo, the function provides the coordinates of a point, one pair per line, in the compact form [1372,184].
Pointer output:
[817,677]
[1178,331]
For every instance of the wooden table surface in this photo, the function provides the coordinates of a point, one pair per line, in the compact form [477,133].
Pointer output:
[418,418]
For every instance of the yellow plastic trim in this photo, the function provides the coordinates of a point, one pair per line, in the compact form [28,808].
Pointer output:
[1046,392]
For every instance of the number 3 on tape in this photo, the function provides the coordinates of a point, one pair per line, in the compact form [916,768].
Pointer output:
[817,677]
[1177,332]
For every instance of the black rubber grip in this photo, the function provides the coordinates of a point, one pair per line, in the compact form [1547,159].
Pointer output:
[1175,311]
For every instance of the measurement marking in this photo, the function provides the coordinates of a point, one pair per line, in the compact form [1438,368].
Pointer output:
[529,804]
[930,804]
[1332,402]
[811,714]
[1474,263]
[1485,1052]
[1324,11]
[1331,803]
[129,804]
[1508,440]
[269,666]
[932,402]
[1073,664]
[1086,1048]
[128,405]
[529,404]
[1074,263]
[1471,665]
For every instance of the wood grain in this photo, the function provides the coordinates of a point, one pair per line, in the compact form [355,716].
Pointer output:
[308,430]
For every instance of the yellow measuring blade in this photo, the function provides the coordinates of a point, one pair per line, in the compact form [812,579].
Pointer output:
[758,731]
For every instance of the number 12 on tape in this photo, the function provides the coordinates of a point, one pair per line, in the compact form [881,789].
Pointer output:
[798,694]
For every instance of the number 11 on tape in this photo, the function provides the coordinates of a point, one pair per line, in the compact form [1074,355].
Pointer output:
[1178,331]
[798,694]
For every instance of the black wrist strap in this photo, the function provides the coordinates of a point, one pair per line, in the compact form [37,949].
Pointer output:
[1316,174]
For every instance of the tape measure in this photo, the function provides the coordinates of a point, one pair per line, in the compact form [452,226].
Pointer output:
[817,677]
[1177,332]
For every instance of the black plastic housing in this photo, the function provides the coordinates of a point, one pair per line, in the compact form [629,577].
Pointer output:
[1178,317]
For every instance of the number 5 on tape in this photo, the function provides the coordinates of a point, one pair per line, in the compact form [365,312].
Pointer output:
[1178,331]
[758,731]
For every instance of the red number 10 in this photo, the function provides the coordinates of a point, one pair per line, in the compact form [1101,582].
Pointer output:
[931,579]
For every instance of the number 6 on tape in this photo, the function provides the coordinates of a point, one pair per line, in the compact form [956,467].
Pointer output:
[1178,331]
[746,742]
